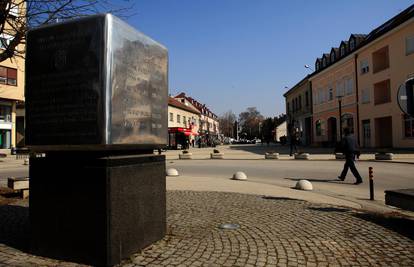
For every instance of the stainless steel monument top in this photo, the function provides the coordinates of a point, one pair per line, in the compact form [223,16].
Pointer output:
[95,82]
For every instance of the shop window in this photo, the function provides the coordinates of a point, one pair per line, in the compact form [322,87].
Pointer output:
[318,127]
[348,122]
[408,126]
[5,113]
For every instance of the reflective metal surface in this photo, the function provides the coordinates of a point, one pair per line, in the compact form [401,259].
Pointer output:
[229,226]
[95,82]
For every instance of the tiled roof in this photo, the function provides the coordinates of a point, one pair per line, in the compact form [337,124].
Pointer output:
[175,103]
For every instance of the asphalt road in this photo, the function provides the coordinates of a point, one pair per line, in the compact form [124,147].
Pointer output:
[322,174]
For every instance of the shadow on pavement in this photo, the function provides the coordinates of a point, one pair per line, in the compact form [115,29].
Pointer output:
[392,221]
[329,209]
[335,181]
[279,198]
[261,149]
[15,227]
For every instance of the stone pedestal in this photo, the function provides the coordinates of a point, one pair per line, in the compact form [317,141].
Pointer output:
[216,155]
[272,156]
[384,156]
[96,209]
[185,156]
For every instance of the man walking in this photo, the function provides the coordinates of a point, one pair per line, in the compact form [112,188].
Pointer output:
[350,149]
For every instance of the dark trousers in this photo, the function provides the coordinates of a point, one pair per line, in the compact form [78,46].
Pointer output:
[293,147]
[350,164]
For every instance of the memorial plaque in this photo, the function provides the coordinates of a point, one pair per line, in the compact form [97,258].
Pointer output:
[95,82]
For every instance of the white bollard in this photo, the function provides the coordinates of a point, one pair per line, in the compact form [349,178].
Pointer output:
[304,185]
[172,172]
[239,176]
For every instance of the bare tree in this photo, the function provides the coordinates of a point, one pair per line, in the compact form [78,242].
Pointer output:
[226,123]
[17,16]
[250,122]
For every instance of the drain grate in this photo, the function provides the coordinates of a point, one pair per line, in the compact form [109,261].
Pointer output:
[229,226]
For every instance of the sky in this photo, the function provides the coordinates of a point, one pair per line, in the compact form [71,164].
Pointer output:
[235,54]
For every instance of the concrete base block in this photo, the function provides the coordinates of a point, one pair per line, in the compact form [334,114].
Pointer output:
[18,183]
[339,156]
[403,198]
[384,156]
[96,210]
[216,155]
[272,156]
[302,156]
[304,185]
[185,156]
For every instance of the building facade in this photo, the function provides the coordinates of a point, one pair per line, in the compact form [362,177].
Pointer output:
[183,123]
[356,86]
[299,110]
[383,66]
[208,122]
[11,93]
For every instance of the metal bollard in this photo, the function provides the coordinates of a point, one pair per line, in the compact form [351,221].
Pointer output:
[371,183]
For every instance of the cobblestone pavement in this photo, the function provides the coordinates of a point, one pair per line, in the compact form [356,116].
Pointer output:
[273,232]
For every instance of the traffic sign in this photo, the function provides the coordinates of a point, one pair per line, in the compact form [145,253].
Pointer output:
[406,97]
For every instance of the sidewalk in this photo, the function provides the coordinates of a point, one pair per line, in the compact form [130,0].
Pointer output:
[257,152]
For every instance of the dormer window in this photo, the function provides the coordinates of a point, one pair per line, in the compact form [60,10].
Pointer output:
[317,65]
[352,44]
[332,56]
[324,62]
[342,50]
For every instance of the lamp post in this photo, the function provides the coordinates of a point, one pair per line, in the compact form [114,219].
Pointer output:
[340,115]
[308,67]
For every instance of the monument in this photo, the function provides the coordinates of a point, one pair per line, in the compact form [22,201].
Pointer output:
[96,105]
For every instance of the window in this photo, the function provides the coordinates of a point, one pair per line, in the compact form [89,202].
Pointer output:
[318,127]
[352,44]
[330,94]
[342,50]
[5,40]
[364,66]
[408,123]
[340,89]
[380,59]
[349,86]
[288,107]
[300,102]
[14,10]
[171,117]
[382,92]
[184,121]
[178,118]
[409,45]
[332,56]
[307,98]
[5,113]
[365,97]
[317,66]
[8,76]
[348,122]
[324,62]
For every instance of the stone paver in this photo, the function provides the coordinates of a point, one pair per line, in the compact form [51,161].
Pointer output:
[273,232]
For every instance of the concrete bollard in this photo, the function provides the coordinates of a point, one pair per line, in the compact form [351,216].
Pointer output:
[216,155]
[26,162]
[339,156]
[172,172]
[302,156]
[271,155]
[239,176]
[304,185]
[384,156]
[186,155]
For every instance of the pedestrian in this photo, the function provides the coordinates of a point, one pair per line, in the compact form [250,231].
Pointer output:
[350,149]
[293,141]
[193,142]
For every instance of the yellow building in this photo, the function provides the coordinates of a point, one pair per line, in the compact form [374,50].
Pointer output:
[11,93]
[384,63]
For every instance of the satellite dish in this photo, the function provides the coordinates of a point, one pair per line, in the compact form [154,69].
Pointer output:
[406,97]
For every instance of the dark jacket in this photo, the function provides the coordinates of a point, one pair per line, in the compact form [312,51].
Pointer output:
[349,145]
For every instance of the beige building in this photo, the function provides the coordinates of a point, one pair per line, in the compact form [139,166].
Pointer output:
[299,110]
[183,122]
[385,63]
[11,93]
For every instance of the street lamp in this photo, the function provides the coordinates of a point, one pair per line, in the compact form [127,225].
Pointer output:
[340,115]
[308,67]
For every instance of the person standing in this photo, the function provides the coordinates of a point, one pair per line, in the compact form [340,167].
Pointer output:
[350,150]
[293,141]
